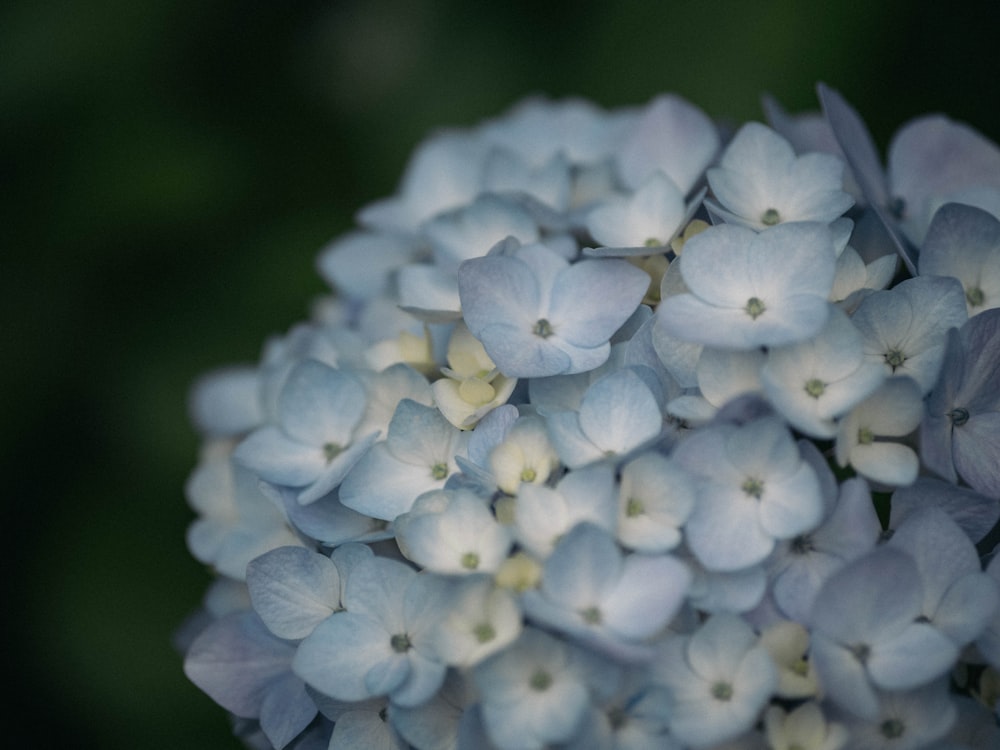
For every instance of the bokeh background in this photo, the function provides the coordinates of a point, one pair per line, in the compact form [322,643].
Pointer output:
[168,171]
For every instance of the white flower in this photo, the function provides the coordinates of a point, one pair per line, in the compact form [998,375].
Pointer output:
[753,488]
[760,182]
[378,645]
[649,218]
[893,411]
[452,532]
[533,693]
[719,680]
[867,634]
[479,619]
[964,242]
[594,593]
[655,498]
[538,315]
[904,328]
[524,455]
[618,414]
[749,290]
[814,382]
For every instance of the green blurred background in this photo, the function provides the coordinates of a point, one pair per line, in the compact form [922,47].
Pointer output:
[168,170]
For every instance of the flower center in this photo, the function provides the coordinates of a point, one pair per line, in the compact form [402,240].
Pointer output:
[753,486]
[470,561]
[722,691]
[892,728]
[975,296]
[439,471]
[540,680]
[484,632]
[591,616]
[815,387]
[861,652]
[802,545]
[528,475]
[652,242]
[959,416]
[897,206]
[400,643]
[865,436]
[755,307]
[634,507]
[770,217]
[894,358]
[617,718]
[331,451]
[543,328]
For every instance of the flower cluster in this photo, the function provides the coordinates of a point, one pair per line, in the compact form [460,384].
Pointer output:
[621,429]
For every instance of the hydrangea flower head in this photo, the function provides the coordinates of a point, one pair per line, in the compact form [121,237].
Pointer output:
[616,431]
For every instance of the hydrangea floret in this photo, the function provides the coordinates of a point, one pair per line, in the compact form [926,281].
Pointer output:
[624,429]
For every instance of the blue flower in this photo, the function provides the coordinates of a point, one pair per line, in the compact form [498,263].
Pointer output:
[538,315]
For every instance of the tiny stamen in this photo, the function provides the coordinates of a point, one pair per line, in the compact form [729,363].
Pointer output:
[892,728]
[722,691]
[959,416]
[755,307]
[894,358]
[543,328]
[540,680]
[815,387]
[753,487]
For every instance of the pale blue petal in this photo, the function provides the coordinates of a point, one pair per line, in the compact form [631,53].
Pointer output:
[518,353]
[857,144]
[419,435]
[226,402]
[425,287]
[870,598]
[236,661]
[843,677]
[336,470]
[376,587]
[277,459]
[913,657]
[619,413]
[498,289]
[583,569]
[967,607]
[724,532]
[672,136]
[648,594]
[338,655]
[593,298]
[388,675]
[293,589]
[974,513]
[718,646]
[716,266]
[286,710]
[358,264]
[573,447]
[424,679]
[888,463]
[319,404]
